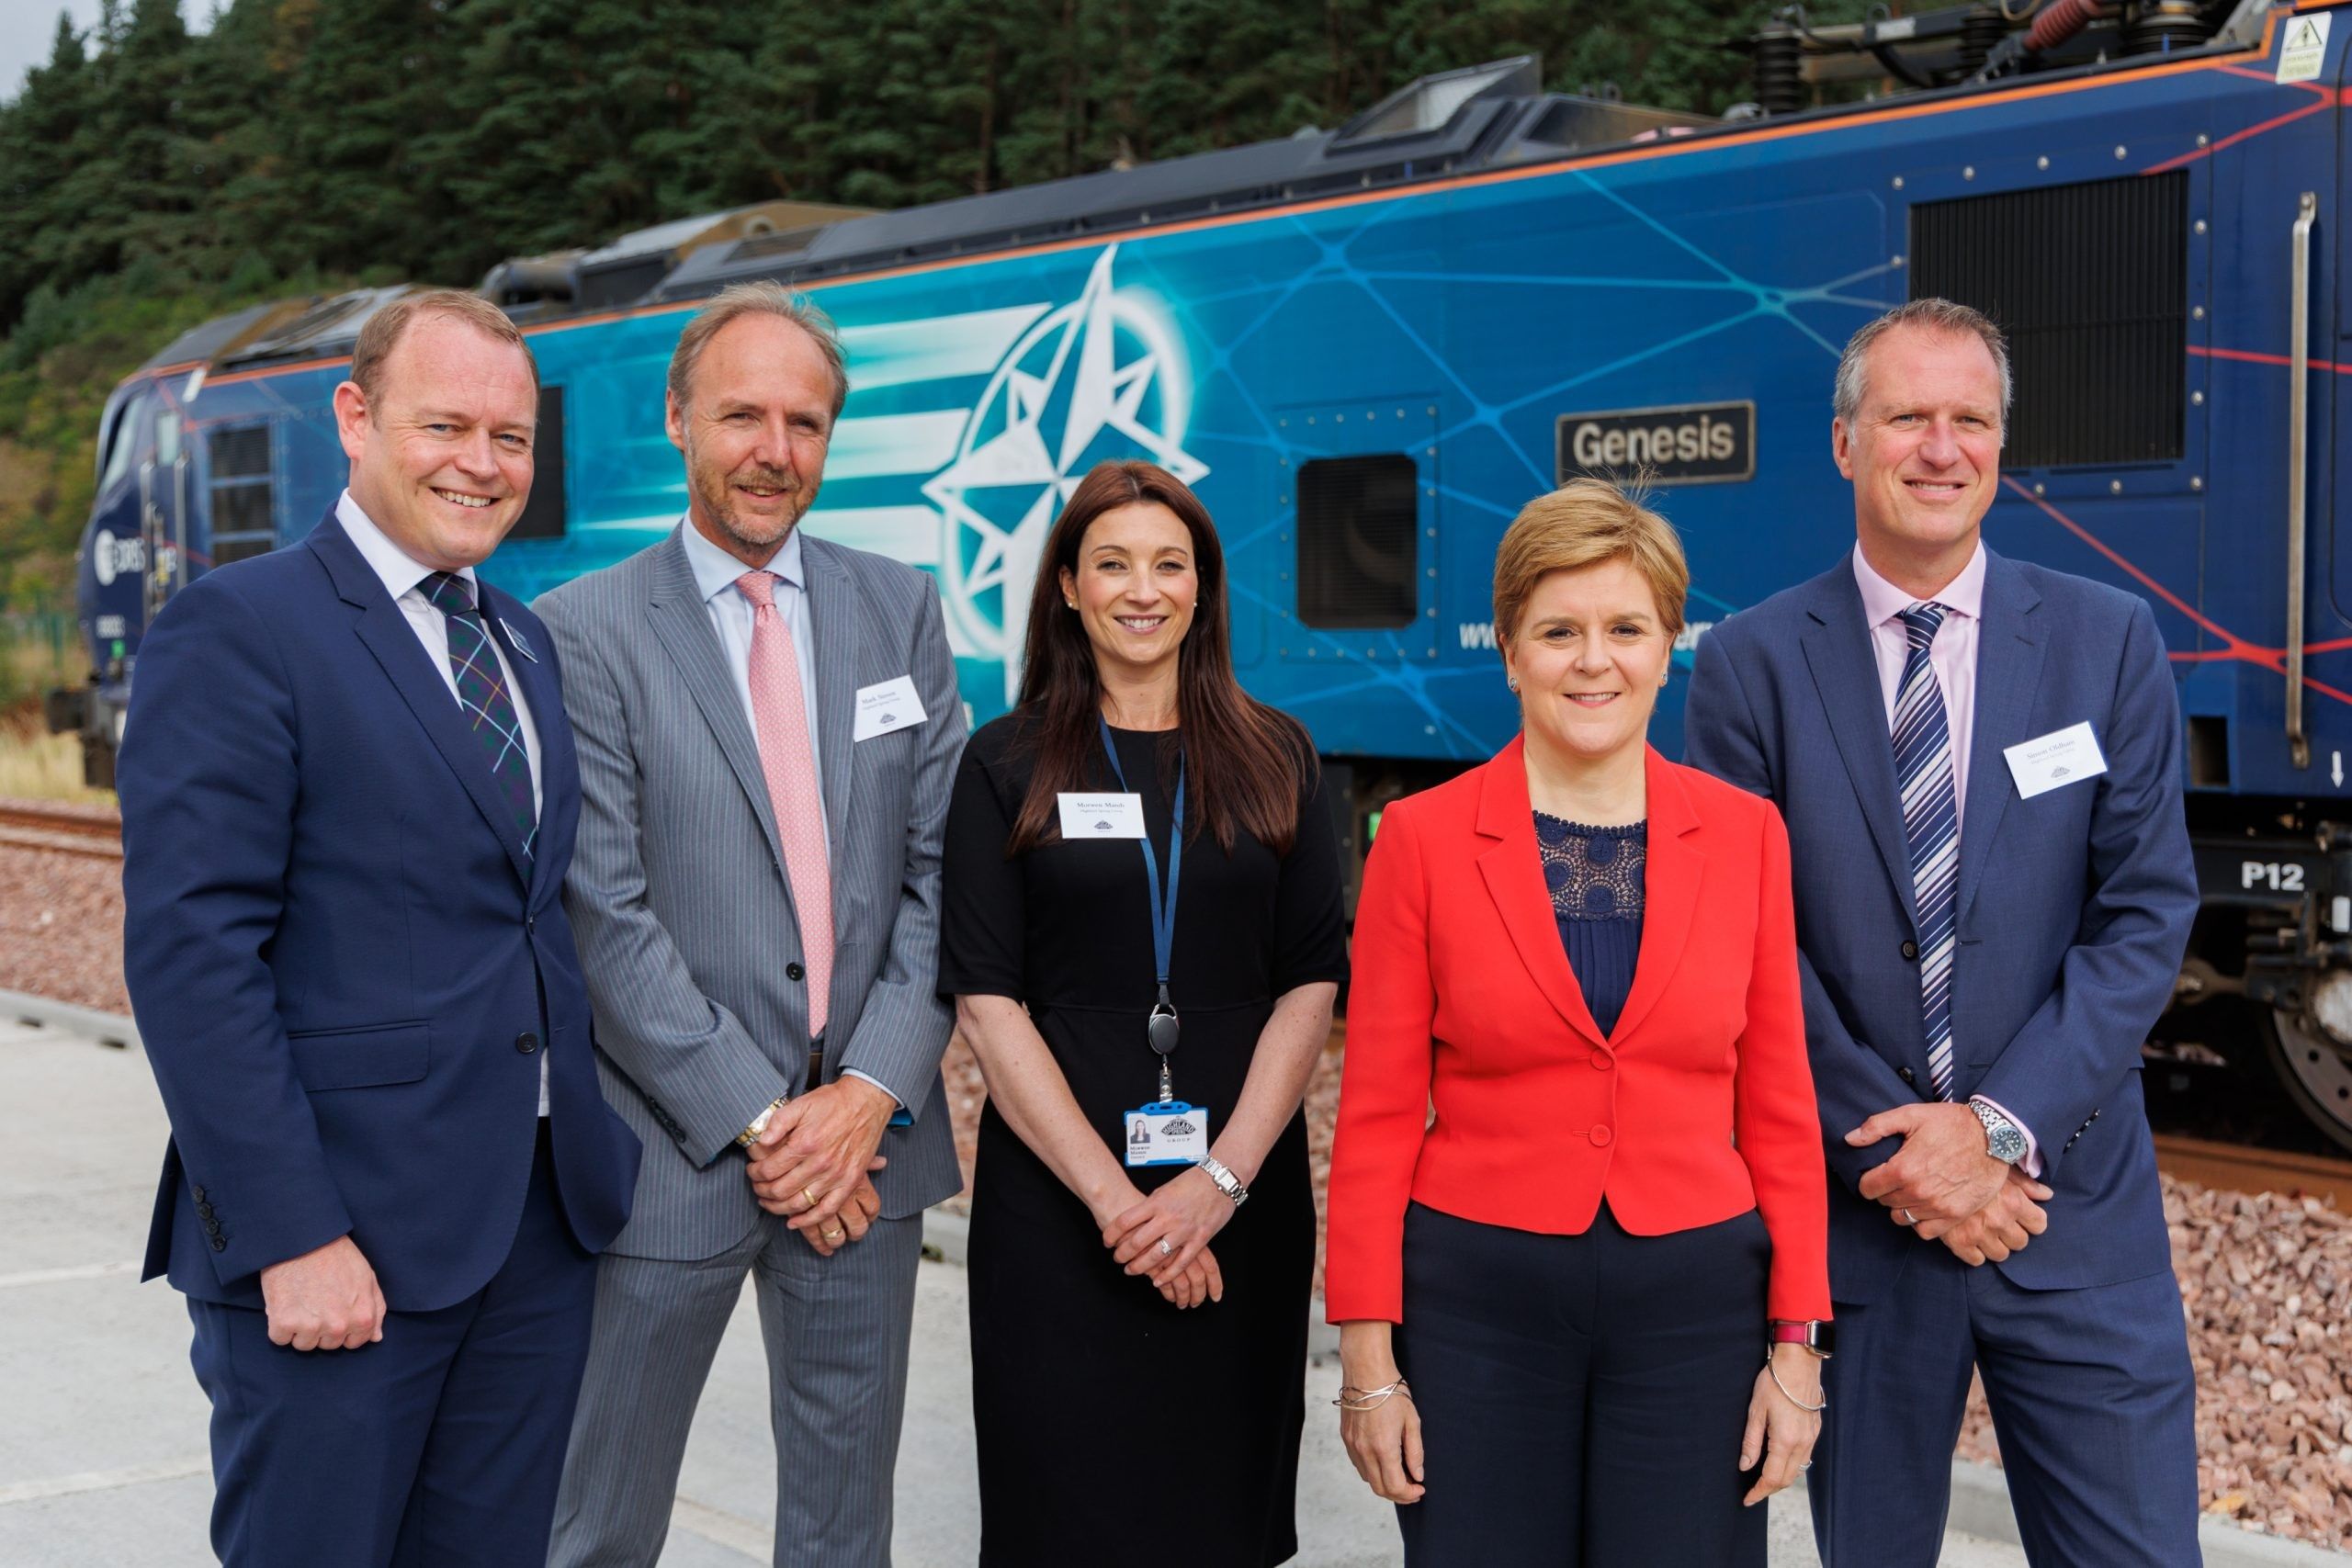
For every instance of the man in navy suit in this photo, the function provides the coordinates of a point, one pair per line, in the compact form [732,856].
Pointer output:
[1979,763]
[348,797]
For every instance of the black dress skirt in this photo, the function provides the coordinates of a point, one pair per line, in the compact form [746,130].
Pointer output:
[1113,1427]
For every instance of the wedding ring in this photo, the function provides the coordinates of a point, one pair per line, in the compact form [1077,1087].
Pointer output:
[1806,1465]
[811,1196]
[831,1235]
[1909,1218]
[1166,1250]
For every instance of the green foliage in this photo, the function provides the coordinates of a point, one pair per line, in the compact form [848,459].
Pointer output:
[150,179]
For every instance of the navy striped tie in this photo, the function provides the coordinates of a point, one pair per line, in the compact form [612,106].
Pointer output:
[1931,827]
[483,697]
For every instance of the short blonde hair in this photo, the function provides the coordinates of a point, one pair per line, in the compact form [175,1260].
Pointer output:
[381,334]
[1585,523]
[761,299]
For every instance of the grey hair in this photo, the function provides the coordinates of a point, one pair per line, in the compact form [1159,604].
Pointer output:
[739,300]
[1929,315]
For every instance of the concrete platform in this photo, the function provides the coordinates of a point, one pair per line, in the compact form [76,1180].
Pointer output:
[102,1455]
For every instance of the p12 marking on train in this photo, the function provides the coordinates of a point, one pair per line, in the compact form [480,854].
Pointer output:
[1685,444]
[2278,876]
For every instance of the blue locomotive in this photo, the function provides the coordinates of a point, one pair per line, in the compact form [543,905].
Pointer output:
[1366,347]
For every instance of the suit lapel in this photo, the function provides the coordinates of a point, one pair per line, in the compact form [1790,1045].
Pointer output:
[1844,671]
[682,626]
[1513,868]
[832,649]
[559,767]
[1669,892]
[2008,669]
[387,635]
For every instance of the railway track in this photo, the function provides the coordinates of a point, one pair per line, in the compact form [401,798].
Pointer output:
[29,825]
[2235,1168]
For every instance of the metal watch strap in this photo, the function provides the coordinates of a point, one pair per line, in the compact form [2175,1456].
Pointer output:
[1227,1182]
[1999,1131]
[758,1125]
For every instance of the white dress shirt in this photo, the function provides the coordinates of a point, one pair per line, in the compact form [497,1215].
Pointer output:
[731,616]
[403,579]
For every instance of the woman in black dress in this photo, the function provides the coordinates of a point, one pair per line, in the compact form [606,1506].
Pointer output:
[1138,1329]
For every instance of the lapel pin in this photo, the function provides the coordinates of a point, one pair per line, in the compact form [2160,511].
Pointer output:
[517,638]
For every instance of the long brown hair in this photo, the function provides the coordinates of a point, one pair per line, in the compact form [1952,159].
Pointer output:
[1245,763]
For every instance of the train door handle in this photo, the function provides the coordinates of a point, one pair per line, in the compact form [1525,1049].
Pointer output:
[2299,354]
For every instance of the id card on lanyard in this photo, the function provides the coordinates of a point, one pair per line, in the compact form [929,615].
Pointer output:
[1168,1131]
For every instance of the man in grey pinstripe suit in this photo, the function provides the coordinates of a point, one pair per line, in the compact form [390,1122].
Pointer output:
[768,729]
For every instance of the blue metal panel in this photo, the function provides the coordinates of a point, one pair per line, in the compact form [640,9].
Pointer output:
[1729,268]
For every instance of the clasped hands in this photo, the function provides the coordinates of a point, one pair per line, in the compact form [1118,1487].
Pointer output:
[1946,1186]
[1165,1237]
[812,1162]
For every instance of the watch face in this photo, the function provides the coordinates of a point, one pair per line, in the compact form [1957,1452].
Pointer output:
[2009,1145]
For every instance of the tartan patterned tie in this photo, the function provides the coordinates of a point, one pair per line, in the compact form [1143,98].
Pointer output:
[790,764]
[482,698]
[1931,825]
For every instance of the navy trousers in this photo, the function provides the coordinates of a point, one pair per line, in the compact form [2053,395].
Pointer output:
[2093,1401]
[1582,1397]
[441,1445]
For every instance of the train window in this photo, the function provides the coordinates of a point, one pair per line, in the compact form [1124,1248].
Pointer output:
[543,515]
[125,441]
[243,517]
[1357,520]
[2090,282]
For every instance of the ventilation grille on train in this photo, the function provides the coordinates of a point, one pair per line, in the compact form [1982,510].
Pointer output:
[2090,282]
[1356,554]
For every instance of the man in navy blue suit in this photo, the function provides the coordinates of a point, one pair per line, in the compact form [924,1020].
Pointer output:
[1979,763]
[348,797]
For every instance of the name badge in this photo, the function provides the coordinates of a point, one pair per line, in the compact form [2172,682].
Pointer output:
[885,706]
[2054,761]
[1170,1132]
[1102,816]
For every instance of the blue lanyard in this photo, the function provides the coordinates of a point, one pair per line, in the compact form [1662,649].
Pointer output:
[1164,912]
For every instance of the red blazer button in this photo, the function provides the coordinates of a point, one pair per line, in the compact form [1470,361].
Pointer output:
[1600,1136]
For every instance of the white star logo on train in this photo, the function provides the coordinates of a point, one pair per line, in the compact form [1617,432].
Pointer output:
[1099,378]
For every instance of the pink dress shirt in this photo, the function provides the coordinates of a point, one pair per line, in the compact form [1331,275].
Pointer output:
[1953,654]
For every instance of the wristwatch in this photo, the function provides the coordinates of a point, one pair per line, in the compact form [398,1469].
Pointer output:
[2003,1141]
[1227,1182]
[758,1125]
[1815,1335]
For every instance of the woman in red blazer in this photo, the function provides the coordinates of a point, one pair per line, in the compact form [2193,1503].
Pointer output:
[1577,1185]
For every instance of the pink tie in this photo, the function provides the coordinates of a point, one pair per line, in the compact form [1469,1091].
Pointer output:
[786,756]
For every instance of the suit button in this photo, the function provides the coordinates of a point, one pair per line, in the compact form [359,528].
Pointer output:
[1600,1138]
[527,1042]
[219,1245]
[531,922]
[794,972]
[205,1209]
[199,1193]
[1911,949]
[1906,1075]
[1603,1061]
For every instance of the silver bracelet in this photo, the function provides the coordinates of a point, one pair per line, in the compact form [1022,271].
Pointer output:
[1352,1398]
[1792,1399]
[1227,1182]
